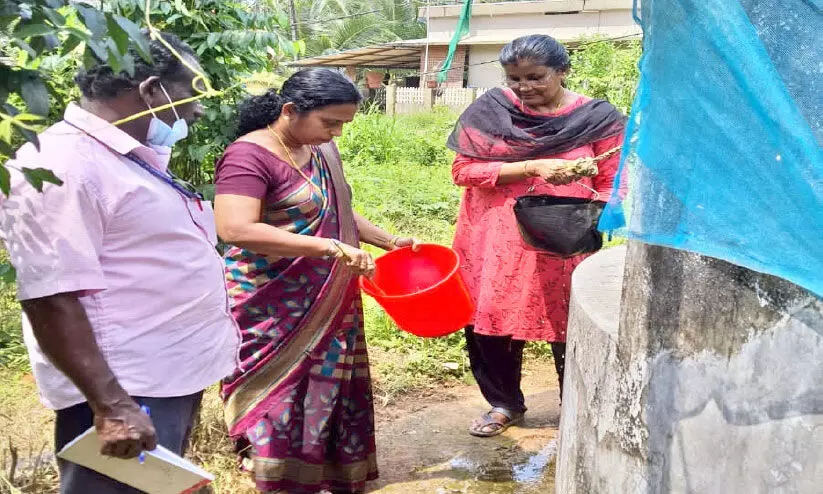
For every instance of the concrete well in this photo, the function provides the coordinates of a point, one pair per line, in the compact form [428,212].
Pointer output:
[686,374]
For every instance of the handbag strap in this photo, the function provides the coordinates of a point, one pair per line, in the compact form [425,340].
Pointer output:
[594,199]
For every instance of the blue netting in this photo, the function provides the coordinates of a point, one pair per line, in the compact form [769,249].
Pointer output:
[724,143]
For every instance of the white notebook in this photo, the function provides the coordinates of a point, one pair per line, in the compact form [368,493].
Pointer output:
[162,472]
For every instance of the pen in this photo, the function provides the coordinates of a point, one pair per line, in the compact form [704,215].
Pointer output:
[142,457]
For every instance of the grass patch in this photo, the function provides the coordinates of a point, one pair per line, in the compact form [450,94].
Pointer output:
[26,458]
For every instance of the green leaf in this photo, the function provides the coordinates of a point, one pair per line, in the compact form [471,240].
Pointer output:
[51,41]
[128,64]
[181,7]
[27,134]
[55,17]
[39,176]
[227,111]
[27,117]
[25,47]
[35,94]
[140,41]
[113,58]
[89,59]
[199,153]
[212,39]
[287,47]
[207,190]
[7,273]
[6,149]
[29,30]
[120,37]
[38,44]
[5,180]
[94,20]
[99,48]
[5,78]
[79,33]
[5,130]
[71,43]
[281,18]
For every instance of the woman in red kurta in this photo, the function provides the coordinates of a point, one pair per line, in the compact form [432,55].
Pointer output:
[509,141]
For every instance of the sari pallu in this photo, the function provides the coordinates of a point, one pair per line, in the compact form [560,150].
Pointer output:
[300,406]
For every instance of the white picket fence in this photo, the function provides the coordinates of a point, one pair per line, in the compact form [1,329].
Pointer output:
[417,99]
[407,99]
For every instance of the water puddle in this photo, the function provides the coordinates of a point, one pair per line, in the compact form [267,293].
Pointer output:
[535,467]
[512,470]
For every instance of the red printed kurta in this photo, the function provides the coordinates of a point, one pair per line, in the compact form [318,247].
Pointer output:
[519,292]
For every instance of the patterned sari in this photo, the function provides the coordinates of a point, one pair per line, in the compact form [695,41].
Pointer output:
[300,406]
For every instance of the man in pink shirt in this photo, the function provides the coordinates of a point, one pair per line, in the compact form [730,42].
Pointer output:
[122,288]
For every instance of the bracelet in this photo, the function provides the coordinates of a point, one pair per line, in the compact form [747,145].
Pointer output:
[526,169]
[336,250]
[393,241]
[331,251]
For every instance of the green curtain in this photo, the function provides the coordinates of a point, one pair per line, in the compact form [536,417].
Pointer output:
[461,31]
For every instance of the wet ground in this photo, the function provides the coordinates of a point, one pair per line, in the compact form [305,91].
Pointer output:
[424,446]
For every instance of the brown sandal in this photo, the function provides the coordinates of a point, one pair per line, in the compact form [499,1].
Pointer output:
[479,429]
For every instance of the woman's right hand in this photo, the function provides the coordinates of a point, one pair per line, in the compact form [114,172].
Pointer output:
[357,260]
[555,172]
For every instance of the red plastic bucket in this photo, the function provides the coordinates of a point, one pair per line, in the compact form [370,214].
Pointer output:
[422,291]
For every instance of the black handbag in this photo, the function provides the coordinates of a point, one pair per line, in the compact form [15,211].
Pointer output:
[564,226]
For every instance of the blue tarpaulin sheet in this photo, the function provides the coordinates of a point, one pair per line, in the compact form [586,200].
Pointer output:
[725,142]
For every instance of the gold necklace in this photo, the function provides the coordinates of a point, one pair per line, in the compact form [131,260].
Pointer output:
[559,103]
[550,109]
[293,164]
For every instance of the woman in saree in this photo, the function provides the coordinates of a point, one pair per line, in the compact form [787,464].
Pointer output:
[513,142]
[299,407]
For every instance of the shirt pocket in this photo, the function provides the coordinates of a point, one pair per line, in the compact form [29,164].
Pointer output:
[203,215]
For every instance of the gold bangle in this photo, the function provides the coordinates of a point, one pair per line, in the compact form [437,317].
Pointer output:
[393,241]
[339,252]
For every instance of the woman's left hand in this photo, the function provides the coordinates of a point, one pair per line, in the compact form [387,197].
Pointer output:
[401,242]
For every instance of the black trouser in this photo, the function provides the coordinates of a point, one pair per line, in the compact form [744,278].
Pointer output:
[559,354]
[497,362]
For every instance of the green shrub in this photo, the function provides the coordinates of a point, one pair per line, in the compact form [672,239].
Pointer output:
[400,171]
[417,139]
[12,350]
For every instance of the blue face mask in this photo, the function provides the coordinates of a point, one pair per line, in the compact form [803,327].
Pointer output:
[162,134]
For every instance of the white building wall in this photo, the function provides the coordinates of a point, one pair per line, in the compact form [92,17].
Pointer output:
[487,74]
[495,24]
[564,27]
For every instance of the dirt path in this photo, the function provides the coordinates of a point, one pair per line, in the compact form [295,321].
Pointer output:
[423,445]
